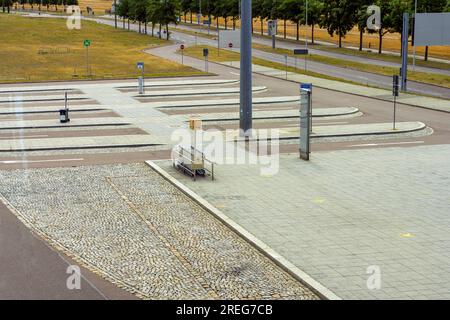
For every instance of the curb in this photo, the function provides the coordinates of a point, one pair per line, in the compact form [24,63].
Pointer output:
[177,85]
[285,117]
[68,126]
[221,93]
[275,257]
[51,111]
[45,100]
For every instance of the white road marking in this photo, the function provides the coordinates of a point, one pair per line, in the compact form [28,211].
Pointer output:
[37,161]
[234,73]
[386,144]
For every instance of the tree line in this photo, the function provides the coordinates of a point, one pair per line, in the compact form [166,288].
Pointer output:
[338,17]
[7,4]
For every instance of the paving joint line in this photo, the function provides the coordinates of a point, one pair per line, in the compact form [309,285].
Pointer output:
[263,248]
[184,262]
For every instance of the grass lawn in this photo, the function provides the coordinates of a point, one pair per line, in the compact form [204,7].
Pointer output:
[431,78]
[43,49]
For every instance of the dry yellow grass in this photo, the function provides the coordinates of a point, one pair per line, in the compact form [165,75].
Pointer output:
[38,49]
[99,6]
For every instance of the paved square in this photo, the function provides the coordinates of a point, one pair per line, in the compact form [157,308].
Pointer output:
[347,211]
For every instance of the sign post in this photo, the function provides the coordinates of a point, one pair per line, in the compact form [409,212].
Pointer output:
[182,54]
[301,52]
[272,31]
[395,86]
[305,120]
[87,44]
[286,65]
[140,66]
[205,54]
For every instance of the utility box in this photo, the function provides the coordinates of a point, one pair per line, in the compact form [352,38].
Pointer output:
[141,85]
[64,115]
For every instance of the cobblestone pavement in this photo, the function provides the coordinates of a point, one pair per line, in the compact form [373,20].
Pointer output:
[134,228]
[346,211]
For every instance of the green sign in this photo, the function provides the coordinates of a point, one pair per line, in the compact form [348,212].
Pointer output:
[87,43]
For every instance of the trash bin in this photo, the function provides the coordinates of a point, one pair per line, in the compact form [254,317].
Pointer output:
[64,115]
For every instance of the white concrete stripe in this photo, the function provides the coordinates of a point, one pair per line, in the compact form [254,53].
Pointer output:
[38,161]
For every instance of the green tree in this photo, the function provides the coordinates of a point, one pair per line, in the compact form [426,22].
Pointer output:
[362,17]
[339,17]
[163,12]
[315,11]
[123,10]
[293,10]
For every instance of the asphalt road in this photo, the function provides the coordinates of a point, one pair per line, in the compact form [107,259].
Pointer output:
[30,269]
[301,44]
[361,77]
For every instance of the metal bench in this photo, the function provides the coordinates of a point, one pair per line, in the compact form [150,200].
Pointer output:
[192,162]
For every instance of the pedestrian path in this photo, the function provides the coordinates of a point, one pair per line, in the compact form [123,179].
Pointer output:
[347,218]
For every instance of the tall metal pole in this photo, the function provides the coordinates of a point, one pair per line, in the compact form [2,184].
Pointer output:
[199,11]
[306,25]
[246,69]
[414,47]
[115,14]
[405,33]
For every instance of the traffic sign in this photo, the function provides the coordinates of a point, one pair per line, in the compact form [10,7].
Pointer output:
[140,65]
[182,47]
[272,27]
[306,86]
[230,45]
[395,80]
[300,51]
[205,52]
[87,43]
